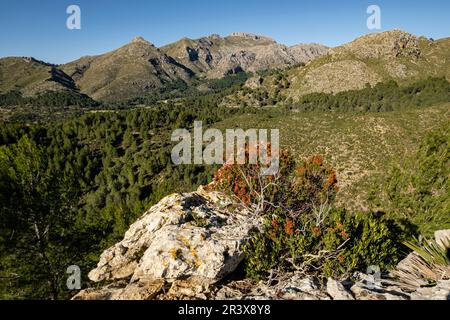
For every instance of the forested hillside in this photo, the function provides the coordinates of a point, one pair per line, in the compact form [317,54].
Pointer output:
[72,188]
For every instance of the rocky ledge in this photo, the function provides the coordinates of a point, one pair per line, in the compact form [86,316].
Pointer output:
[188,247]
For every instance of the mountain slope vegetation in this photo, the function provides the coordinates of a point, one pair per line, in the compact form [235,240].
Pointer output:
[139,68]
[374,58]
[31,76]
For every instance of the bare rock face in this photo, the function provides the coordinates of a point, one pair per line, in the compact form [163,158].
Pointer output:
[362,292]
[216,57]
[340,76]
[337,290]
[254,82]
[123,291]
[295,286]
[184,236]
[441,291]
[304,53]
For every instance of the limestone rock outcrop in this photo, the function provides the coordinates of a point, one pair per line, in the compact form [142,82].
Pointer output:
[192,235]
[185,246]
[216,56]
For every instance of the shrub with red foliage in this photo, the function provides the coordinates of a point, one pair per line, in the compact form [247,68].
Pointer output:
[297,187]
[312,184]
[246,182]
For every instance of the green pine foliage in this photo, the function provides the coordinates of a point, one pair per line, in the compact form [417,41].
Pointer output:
[48,99]
[213,89]
[84,181]
[36,217]
[417,189]
[45,107]
[382,97]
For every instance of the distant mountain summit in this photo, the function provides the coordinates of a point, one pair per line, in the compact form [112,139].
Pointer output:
[130,71]
[216,56]
[140,39]
[252,36]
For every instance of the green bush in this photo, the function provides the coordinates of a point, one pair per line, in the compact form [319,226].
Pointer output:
[337,246]
[302,231]
[11,98]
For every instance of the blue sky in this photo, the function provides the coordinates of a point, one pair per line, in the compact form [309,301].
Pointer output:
[38,28]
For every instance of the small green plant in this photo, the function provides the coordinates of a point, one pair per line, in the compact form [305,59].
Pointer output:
[429,263]
[199,220]
[430,252]
[340,244]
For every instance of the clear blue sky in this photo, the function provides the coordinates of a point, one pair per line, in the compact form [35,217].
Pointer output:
[38,27]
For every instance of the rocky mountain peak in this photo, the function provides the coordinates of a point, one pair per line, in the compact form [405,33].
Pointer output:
[139,39]
[216,56]
[251,36]
[214,36]
[391,43]
[29,59]
[141,43]
[370,59]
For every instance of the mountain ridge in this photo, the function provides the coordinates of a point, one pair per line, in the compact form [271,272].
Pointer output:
[127,72]
[138,68]
[216,56]
[371,59]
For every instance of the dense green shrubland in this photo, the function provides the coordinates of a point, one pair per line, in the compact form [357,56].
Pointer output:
[340,244]
[417,189]
[380,98]
[48,99]
[45,107]
[211,89]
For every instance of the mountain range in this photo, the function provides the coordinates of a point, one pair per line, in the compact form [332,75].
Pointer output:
[138,68]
